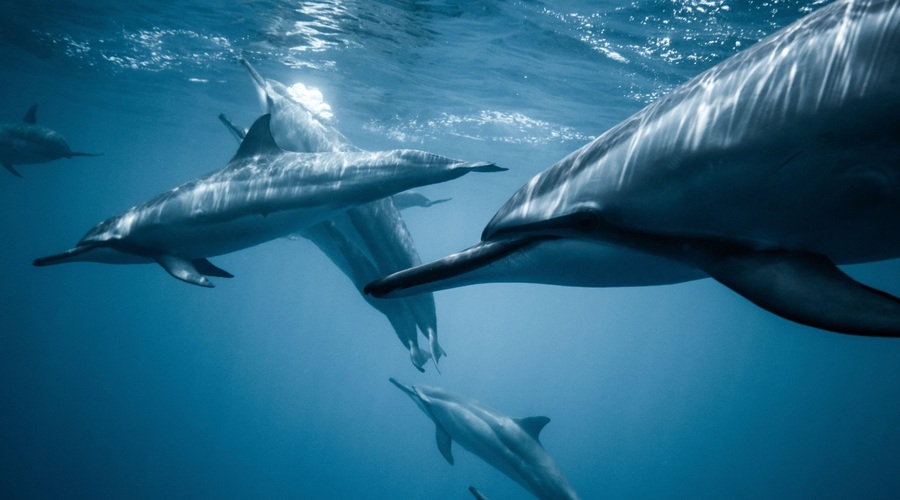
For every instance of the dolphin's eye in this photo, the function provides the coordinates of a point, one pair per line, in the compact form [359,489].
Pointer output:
[587,220]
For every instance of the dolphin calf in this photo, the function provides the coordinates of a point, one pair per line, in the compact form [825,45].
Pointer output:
[263,193]
[510,445]
[763,173]
[27,142]
[374,231]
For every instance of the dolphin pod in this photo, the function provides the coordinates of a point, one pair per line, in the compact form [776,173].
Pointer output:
[763,173]
[510,445]
[366,241]
[27,143]
[263,193]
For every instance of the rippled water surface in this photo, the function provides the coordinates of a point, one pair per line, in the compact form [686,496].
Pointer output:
[121,382]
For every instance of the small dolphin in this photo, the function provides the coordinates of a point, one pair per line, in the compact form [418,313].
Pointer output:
[374,231]
[263,193]
[27,142]
[510,445]
[762,173]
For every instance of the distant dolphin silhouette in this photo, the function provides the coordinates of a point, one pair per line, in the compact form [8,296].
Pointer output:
[374,232]
[510,445]
[263,193]
[762,173]
[477,494]
[27,142]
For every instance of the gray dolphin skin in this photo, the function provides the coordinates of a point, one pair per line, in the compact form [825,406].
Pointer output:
[510,445]
[263,193]
[27,143]
[366,241]
[763,173]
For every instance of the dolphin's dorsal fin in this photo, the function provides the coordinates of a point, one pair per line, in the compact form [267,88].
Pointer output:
[444,442]
[809,289]
[532,425]
[258,141]
[31,115]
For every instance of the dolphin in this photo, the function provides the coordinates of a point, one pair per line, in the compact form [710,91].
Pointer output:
[337,244]
[510,445]
[764,173]
[27,142]
[374,231]
[263,193]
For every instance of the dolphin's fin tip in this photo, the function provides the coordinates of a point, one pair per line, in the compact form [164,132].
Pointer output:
[31,115]
[258,140]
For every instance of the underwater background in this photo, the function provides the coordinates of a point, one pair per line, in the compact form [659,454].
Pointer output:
[121,382]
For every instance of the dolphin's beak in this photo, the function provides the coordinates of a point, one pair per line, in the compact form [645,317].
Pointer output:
[405,388]
[441,274]
[70,255]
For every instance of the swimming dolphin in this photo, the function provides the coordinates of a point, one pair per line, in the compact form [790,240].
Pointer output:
[27,142]
[510,445]
[335,242]
[374,231]
[762,173]
[263,193]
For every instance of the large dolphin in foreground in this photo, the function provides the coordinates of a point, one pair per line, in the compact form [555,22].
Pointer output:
[263,193]
[366,241]
[762,173]
[510,445]
[27,142]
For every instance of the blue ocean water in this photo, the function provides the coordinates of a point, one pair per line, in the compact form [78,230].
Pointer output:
[121,382]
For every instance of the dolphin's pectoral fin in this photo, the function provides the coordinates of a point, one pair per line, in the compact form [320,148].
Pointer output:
[182,269]
[9,167]
[444,442]
[809,289]
[533,425]
[207,268]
